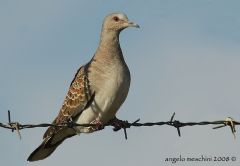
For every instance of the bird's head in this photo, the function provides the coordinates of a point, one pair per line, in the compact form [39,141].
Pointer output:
[117,22]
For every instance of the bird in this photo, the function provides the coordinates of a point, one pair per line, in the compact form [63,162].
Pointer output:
[96,92]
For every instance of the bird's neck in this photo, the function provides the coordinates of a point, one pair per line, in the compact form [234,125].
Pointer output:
[109,41]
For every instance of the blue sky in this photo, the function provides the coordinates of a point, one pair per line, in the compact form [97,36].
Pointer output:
[183,59]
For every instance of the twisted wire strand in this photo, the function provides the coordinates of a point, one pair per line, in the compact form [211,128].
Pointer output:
[174,123]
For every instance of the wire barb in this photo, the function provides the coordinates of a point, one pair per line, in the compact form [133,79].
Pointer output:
[230,122]
[125,124]
[14,125]
[175,124]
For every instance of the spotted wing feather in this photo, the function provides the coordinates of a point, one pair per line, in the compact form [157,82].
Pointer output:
[75,102]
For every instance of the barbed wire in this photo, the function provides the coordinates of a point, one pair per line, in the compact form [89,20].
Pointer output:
[16,126]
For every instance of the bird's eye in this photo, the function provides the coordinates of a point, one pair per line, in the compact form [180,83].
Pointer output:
[116,18]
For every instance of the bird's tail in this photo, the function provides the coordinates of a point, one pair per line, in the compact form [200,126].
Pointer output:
[41,152]
[49,145]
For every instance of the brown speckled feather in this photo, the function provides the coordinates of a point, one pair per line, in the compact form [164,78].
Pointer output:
[76,100]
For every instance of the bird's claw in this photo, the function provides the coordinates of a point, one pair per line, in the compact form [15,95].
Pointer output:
[97,125]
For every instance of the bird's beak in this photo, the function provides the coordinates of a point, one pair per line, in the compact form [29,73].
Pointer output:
[132,24]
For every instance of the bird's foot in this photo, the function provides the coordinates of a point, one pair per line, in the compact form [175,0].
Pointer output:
[118,124]
[97,125]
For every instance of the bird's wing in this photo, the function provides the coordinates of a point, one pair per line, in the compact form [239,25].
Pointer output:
[78,98]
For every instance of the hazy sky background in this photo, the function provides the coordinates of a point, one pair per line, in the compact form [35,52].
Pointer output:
[184,59]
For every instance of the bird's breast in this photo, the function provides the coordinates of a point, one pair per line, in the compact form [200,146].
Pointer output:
[111,91]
